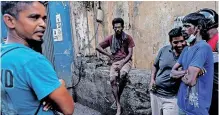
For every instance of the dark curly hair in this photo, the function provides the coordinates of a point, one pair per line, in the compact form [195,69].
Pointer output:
[118,20]
[175,32]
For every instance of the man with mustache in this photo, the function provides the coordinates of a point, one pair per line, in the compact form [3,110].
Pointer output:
[121,47]
[195,91]
[27,77]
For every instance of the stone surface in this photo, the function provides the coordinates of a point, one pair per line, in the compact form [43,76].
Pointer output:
[94,89]
[83,110]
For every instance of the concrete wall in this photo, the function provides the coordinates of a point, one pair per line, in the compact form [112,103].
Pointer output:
[148,22]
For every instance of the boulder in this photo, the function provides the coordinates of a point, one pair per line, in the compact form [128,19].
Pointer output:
[94,89]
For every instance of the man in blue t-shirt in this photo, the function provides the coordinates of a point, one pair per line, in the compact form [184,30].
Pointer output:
[194,96]
[27,77]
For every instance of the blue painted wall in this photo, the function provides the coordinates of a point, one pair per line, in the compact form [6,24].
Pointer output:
[3,30]
[63,50]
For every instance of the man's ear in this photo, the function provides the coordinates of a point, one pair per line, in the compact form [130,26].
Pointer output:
[9,21]
[198,28]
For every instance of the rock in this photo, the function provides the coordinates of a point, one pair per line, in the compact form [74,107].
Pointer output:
[94,90]
[83,110]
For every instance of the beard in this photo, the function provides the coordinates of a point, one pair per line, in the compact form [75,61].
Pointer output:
[35,45]
[185,35]
[118,34]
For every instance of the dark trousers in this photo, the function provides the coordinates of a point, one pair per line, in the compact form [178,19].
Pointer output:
[214,104]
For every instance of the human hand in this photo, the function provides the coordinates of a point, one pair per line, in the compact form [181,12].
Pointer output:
[189,80]
[111,57]
[47,104]
[202,72]
[152,84]
[180,69]
[119,65]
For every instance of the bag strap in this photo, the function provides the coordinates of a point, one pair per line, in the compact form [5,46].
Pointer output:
[38,108]
[2,54]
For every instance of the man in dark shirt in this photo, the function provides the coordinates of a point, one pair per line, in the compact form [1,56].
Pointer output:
[163,98]
[121,47]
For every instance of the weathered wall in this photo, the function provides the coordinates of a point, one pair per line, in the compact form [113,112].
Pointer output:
[148,22]
[153,21]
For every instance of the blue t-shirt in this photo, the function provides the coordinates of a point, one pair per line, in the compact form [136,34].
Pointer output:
[196,100]
[27,77]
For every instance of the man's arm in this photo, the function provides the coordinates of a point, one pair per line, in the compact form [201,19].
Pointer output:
[176,73]
[101,50]
[45,84]
[104,44]
[63,100]
[153,72]
[51,103]
[128,57]
[196,66]
[153,75]
[191,77]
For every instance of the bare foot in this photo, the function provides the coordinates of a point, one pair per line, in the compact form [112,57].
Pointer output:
[119,110]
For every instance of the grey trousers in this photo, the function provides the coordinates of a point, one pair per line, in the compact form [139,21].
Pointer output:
[164,106]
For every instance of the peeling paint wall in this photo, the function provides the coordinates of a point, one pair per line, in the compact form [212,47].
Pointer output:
[148,22]
[78,12]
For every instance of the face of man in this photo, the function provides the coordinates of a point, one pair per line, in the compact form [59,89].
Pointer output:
[178,43]
[31,24]
[188,29]
[118,28]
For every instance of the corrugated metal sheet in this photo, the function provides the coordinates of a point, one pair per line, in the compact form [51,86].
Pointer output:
[48,45]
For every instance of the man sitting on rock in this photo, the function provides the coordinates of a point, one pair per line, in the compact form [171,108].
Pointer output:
[121,46]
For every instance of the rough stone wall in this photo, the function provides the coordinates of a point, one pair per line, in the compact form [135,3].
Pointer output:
[147,21]
[94,89]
